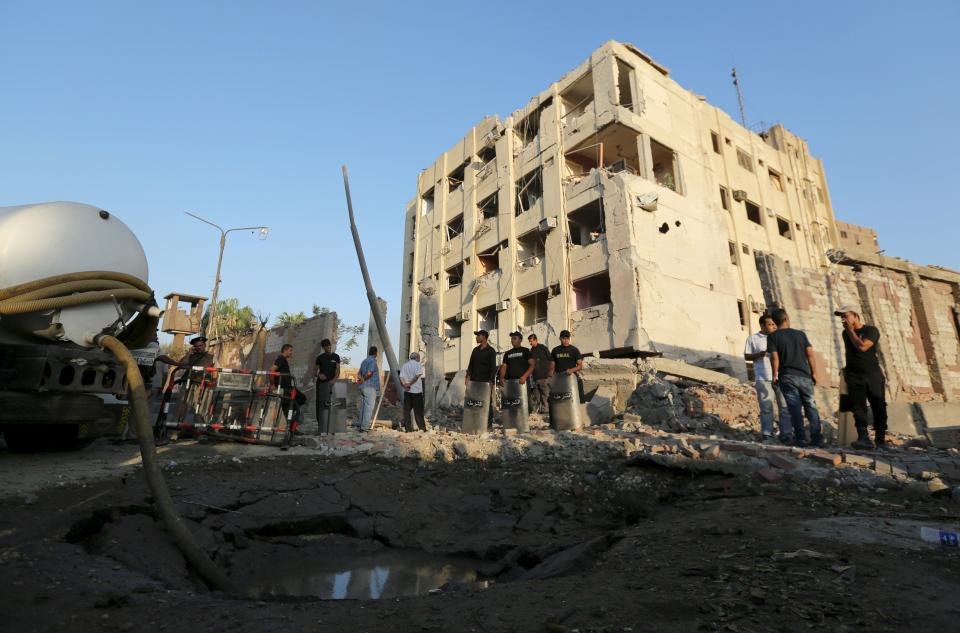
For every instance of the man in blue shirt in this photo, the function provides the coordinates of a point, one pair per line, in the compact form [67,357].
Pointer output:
[369,380]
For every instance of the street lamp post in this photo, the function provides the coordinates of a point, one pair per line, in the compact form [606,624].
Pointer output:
[262,230]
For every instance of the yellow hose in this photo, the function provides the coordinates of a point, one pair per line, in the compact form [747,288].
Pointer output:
[83,288]
[211,574]
[73,289]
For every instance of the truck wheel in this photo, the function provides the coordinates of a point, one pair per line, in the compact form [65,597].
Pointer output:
[30,438]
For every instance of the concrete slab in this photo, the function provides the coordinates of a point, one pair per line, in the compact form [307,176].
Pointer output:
[456,390]
[681,369]
[939,415]
[904,418]
[600,407]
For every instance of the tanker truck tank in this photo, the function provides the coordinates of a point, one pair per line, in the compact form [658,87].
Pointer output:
[69,272]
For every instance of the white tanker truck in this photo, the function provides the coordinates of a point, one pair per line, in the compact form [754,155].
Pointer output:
[70,273]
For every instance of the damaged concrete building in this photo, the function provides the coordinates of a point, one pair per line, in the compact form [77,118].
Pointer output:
[627,209]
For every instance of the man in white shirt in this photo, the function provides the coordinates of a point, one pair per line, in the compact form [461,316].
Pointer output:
[411,377]
[767,393]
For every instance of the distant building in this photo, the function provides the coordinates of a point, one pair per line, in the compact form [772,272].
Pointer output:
[857,240]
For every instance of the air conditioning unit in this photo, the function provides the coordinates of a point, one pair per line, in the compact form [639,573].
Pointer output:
[547,224]
[463,317]
[770,212]
[648,201]
[739,195]
[756,306]
[503,305]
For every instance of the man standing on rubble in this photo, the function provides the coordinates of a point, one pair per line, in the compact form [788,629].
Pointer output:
[327,372]
[483,366]
[284,380]
[540,388]
[517,363]
[794,372]
[567,358]
[411,377]
[864,378]
[369,381]
[755,350]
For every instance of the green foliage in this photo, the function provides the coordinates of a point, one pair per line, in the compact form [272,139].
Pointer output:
[286,319]
[232,318]
[347,335]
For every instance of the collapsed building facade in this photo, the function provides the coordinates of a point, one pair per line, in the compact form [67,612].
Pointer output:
[625,208]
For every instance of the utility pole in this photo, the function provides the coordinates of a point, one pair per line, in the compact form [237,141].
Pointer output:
[736,84]
[371,295]
[261,230]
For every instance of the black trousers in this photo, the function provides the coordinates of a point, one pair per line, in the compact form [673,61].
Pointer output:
[413,401]
[864,388]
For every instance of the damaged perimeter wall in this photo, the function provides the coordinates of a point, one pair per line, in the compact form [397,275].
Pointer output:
[915,308]
[257,351]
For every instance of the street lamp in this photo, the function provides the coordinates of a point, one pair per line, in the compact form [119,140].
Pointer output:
[261,232]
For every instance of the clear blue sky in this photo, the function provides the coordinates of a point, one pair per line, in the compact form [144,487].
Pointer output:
[243,112]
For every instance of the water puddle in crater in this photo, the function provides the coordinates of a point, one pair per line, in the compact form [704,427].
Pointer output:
[388,573]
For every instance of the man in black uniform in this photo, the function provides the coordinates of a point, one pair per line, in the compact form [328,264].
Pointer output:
[865,380]
[327,372]
[540,389]
[517,363]
[282,366]
[567,358]
[483,366]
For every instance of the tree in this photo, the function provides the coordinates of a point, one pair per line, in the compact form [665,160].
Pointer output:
[232,318]
[285,319]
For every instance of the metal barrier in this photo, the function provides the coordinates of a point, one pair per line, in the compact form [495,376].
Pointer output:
[476,407]
[565,413]
[230,404]
[513,406]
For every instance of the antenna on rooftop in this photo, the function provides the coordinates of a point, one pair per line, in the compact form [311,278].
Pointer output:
[736,84]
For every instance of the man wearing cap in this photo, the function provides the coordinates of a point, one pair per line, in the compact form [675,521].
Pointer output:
[864,378]
[540,386]
[517,363]
[198,356]
[483,365]
[327,372]
[567,358]
[411,377]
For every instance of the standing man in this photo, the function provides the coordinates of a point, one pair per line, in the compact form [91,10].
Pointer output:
[411,377]
[794,372]
[756,350]
[369,381]
[289,400]
[567,358]
[865,380]
[327,372]
[483,366]
[540,389]
[518,363]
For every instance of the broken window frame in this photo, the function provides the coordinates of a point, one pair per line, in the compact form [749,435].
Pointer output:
[451,274]
[747,205]
[745,160]
[742,309]
[427,202]
[580,106]
[523,184]
[669,178]
[776,180]
[456,178]
[530,257]
[452,328]
[452,232]
[527,130]
[484,322]
[724,198]
[715,140]
[577,291]
[535,298]
[488,203]
[734,257]
[624,80]
[600,226]
[784,228]
[493,251]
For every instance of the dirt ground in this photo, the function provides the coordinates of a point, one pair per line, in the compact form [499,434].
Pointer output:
[586,546]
